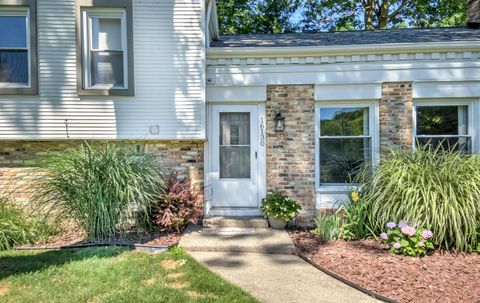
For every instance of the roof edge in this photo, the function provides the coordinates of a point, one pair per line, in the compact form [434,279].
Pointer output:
[261,51]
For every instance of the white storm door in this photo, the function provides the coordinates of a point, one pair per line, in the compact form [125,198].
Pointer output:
[234,156]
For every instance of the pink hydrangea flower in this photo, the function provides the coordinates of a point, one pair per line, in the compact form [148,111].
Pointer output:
[384,236]
[421,244]
[427,234]
[402,224]
[397,245]
[391,225]
[409,231]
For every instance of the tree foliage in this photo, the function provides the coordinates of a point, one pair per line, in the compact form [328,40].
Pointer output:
[281,16]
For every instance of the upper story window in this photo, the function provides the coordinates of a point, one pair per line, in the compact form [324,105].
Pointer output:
[445,126]
[17,49]
[106,49]
[346,141]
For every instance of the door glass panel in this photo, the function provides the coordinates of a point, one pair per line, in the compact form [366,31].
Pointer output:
[235,145]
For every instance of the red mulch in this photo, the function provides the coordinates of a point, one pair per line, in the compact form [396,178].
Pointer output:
[437,277]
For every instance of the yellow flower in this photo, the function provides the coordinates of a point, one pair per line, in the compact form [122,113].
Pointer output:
[355,196]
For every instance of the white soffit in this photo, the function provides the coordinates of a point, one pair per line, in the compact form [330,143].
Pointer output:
[348,92]
[446,89]
[237,93]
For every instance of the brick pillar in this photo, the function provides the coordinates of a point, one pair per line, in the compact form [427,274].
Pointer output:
[396,119]
[473,14]
[291,153]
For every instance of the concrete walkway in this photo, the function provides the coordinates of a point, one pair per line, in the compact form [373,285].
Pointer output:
[277,278]
[261,262]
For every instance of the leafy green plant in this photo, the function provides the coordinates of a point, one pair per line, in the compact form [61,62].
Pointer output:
[16,228]
[354,218]
[404,238]
[327,226]
[107,188]
[178,207]
[433,187]
[279,206]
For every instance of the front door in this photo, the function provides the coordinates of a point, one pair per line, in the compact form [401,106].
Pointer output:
[234,161]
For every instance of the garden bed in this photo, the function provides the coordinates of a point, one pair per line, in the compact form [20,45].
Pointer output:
[437,277]
[74,237]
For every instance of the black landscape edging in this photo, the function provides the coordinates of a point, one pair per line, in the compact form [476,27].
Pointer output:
[348,282]
[143,247]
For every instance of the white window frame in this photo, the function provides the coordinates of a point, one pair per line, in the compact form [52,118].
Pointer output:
[112,13]
[19,12]
[373,123]
[448,102]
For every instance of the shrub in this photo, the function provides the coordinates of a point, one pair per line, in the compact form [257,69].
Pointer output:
[106,187]
[16,228]
[279,206]
[432,187]
[328,226]
[354,218]
[178,207]
[404,238]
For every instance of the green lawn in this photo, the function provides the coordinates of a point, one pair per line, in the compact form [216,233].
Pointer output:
[110,275]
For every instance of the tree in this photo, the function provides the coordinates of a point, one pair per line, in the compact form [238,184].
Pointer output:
[257,16]
[381,14]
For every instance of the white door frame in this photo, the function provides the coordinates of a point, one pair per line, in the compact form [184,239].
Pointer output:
[261,166]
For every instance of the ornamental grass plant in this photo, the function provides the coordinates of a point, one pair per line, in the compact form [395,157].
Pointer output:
[107,188]
[433,188]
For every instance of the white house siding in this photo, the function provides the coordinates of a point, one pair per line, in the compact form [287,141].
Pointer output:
[449,74]
[169,79]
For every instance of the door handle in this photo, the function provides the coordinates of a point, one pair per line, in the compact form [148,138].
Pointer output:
[256,155]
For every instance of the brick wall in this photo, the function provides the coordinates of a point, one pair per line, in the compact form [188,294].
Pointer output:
[291,153]
[17,161]
[396,119]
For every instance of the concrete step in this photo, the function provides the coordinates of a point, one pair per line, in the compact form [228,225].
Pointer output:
[239,222]
[237,239]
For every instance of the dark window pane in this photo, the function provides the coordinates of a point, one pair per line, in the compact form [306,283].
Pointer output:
[462,144]
[107,68]
[13,32]
[340,159]
[344,121]
[235,162]
[14,67]
[442,120]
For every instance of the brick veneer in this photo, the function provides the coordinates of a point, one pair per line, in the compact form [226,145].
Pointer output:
[291,153]
[17,160]
[396,119]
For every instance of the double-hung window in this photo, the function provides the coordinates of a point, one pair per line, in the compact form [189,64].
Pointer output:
[17,50]
[345,142]
[443,125]
[105,53]
[106,48]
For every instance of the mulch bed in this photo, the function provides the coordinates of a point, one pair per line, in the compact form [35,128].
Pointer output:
[437,277]
[72,236]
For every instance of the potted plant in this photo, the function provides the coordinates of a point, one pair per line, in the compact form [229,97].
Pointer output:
[279,209]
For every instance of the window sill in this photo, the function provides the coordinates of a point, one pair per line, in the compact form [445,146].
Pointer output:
[105,92]
[18,90]
[335,188]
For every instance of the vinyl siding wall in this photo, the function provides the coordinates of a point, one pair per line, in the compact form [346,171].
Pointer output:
[169,79]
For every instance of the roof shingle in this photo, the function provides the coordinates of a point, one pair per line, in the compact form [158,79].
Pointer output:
[417,35]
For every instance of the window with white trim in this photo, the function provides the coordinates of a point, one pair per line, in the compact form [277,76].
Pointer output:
[445,126]
[345,142]
[105,48]
[14,47]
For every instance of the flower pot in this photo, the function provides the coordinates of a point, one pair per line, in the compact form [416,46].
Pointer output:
[276,223]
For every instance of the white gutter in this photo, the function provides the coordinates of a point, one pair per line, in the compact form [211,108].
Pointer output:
[260,51]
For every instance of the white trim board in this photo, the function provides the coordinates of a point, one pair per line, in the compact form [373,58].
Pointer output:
[348,92]
[446,90]
[227,52]
[237,93]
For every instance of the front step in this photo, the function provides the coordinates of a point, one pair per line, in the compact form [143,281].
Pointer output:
[236,222]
